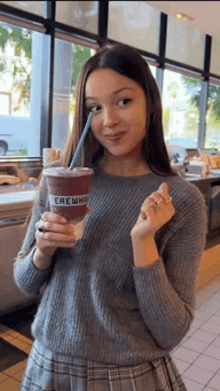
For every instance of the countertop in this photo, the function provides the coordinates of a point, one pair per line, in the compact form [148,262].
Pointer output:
[22,195]
[16,200]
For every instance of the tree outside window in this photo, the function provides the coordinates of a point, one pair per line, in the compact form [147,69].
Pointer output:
[16,68]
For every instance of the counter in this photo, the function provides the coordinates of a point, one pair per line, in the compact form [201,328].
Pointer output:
[16,200]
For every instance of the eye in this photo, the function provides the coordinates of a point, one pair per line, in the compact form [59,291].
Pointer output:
[95,109]
[125,102]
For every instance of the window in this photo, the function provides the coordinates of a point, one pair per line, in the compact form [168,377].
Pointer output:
[34,7]
[20,90]
[80,14]
[212,137]
[185,43]
[153,70]
[215,56]
[16,68]
[181,99]
[69,60]
[134,23]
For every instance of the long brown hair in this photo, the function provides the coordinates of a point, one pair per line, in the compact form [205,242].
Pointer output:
[128,62]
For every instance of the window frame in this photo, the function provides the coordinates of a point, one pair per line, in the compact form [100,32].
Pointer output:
[50,28]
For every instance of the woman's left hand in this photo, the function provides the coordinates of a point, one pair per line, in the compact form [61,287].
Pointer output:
[156,211]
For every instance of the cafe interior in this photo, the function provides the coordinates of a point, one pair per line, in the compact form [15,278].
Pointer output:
[43,47]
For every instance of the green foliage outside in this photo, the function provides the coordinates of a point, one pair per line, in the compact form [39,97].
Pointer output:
[213,99]
[80,56]
[21,152]
[166,121]
[21,40]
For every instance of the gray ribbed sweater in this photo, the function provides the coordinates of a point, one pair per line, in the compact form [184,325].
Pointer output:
[96,304]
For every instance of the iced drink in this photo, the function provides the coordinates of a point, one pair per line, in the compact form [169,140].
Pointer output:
[68,191]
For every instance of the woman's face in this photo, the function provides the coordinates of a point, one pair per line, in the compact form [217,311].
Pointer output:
[120,111]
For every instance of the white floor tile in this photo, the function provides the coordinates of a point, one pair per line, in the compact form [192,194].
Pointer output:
[195,344]
[207,362]
[191,331]
[185,354]
[214,300]
[215,383]
[204,336]
[192,386]
[208,309]
[211,328]
[197,323]
[208,389]
[216,320]
[212,351]
[216,342]
[199,375]
[181,365]
[203,315]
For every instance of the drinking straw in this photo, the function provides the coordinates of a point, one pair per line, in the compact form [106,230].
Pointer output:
[81,141]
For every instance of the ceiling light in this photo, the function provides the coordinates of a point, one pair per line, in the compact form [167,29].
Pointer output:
[183,17]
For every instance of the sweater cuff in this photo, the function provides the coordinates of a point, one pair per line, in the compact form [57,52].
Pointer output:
[151,279]
[27,276]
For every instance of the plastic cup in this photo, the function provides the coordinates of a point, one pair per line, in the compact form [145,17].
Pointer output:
[68,192]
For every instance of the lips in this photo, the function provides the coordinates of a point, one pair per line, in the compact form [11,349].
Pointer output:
[115,136]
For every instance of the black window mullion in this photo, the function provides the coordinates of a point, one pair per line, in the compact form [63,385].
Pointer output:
[103,22]
[48,77]
[204,92]
[162,50]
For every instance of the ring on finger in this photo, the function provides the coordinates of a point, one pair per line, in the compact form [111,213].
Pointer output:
[155,205]
[42,229]
[168,200]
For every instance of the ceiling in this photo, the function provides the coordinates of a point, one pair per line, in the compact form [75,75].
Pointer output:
[205,14]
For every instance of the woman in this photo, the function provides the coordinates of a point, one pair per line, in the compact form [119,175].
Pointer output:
[118,301]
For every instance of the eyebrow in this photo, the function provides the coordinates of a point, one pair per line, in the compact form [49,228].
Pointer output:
[114,93]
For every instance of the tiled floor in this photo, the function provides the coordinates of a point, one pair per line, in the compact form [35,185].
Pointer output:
[197,357]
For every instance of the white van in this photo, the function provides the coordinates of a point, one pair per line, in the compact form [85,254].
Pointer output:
[11,142]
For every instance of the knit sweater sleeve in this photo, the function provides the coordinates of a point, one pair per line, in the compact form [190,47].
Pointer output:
[166,290]
[28,278]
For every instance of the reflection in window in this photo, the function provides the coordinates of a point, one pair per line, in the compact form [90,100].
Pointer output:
[80,14]
[134,23]
[181,99]
[185,43]
[212,138]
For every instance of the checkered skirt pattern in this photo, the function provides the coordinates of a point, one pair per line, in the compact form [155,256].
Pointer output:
[48,371]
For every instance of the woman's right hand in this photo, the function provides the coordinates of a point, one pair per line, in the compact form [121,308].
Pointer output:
[58,233]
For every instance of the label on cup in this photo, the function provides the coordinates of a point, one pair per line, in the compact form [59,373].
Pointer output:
[68,200]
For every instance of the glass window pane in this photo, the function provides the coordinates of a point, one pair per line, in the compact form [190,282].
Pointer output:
[153,70]
[69,60]
[81,14]
[181,97]
[212,138]
[20,91]
[34,7]
[215,56]
[185,43]
[134,23]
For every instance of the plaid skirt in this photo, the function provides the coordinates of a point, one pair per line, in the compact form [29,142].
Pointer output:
[48,371]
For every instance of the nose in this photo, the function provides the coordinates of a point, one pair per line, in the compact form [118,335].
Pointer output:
[110,117]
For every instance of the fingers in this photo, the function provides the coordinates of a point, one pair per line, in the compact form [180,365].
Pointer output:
[158,202]
[55,231]
[164,191]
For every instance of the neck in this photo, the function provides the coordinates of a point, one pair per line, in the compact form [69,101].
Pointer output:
[124,166]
